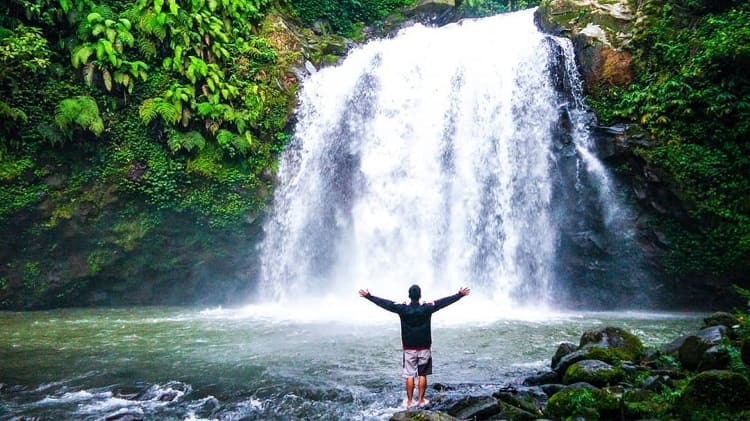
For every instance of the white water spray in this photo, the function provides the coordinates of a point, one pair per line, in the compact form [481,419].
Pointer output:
[426,158]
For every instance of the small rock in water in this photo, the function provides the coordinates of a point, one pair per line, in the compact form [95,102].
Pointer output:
[125,417]
[421,415]
[310,67]
[441,387]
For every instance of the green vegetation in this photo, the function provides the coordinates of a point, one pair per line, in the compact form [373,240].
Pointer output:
[477,8]
[346,16]
[119,116]
[589,404]
[693,94]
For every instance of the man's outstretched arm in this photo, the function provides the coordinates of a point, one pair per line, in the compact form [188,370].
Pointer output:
[445,302]
[381,302]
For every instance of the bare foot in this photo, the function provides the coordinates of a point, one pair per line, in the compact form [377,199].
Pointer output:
[423,403]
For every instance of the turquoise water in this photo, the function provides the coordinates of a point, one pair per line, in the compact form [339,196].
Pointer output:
[182,363]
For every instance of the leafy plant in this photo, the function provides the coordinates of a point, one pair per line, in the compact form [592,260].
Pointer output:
[80,112]
[345,15]
[693,98]
[104,51]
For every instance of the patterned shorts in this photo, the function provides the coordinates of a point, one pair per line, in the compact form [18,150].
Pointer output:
[417,362]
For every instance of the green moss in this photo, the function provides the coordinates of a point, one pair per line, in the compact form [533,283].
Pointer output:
[621,344]
[591,404]
[99,259]
[718,391]
[691,96]
[602,377]
[129,232]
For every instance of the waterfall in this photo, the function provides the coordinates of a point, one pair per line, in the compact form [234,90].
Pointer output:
[434,158]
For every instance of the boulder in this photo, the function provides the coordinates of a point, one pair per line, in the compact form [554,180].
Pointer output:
[657,383]
[510,412]
[589,404]
[421,415]
[624,344]
[689,349]
[546,377]
[551,389]
[640,404]
[717,391]
[594,372]
[563,349]
[472,407]
[529,400]
[570,359]
[715,358]
[720,318]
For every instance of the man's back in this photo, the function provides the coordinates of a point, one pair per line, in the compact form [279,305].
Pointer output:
[416,330]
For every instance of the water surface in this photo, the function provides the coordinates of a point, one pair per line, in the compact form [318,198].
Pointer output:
[182,363]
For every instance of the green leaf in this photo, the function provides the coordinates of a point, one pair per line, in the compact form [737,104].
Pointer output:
[94,17]
[173,7]
[81,55]
[107,77]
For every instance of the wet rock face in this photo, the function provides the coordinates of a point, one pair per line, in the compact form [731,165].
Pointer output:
[600,32]
[698,351]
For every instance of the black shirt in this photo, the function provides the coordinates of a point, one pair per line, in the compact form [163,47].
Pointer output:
[416,332]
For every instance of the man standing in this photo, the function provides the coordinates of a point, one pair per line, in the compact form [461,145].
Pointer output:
[416,335]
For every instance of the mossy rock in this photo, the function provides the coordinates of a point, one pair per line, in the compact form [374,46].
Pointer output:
[595,372]
[622,344]
[563,349]
[591,404]
[613,19]
[608,355]
[715,390]
[720,318]
[643,404]
[421,415]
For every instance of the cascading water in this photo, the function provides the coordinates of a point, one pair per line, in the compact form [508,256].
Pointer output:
[434,158]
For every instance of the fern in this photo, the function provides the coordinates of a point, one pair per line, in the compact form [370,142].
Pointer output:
[6,111]
[146,47]
[153,107]
[81,111]
[232,143]
[185,141]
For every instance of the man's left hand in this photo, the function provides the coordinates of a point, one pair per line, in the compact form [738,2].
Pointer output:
[464,291]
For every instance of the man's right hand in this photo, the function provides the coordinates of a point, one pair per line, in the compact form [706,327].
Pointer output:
[464,291]
[364,293]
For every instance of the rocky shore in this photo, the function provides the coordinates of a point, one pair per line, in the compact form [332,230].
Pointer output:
[610,375]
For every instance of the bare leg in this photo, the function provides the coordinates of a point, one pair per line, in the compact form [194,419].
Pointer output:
[422,388]
[409,391]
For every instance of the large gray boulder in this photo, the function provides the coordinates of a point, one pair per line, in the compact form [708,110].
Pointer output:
[475,407]
[690,349]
